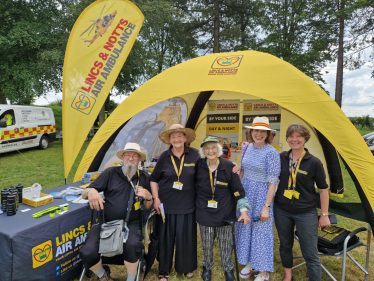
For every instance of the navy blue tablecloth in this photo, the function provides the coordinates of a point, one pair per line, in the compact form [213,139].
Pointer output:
[45,248]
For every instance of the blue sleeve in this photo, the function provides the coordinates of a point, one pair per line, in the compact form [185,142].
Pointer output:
[272,166]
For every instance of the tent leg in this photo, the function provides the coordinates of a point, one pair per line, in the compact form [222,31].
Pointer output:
[66,181]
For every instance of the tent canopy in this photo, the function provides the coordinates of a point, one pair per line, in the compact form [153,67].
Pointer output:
[254,75]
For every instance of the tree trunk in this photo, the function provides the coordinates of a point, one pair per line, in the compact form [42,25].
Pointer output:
[102,116]
[339,69]
[216,27]
[2,98]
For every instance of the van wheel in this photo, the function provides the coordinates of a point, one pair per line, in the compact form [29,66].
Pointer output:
[44,142]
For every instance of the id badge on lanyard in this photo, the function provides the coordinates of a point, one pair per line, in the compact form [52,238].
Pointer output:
[137,204]
[213,203]
[177,184]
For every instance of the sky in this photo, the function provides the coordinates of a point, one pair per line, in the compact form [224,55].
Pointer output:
[358,90]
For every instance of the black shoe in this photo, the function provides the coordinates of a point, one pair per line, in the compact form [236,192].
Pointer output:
[207,274]
[230,275]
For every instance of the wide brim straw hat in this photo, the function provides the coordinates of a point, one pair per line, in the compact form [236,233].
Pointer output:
[164,136]
[260,123]
[132,147]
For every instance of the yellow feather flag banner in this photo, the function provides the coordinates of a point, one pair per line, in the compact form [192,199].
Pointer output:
[98,46]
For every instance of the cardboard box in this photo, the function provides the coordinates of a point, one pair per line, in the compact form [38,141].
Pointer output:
[33,197]
[37,202]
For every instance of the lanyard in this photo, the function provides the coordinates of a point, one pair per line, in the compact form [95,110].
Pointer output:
[132,184]
[175,166]
[213,183]
[292,177]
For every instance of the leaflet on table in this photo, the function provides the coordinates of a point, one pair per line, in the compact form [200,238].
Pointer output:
[58,194]
[80,200]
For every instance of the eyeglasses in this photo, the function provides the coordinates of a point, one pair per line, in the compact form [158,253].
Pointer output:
[134,156]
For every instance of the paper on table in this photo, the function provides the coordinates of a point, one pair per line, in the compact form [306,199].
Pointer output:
[162,212]
[80,200]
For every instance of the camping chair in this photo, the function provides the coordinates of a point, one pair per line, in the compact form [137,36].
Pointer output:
[116,260]
[353,211]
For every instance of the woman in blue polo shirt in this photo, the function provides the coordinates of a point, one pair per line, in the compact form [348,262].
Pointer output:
[295,202]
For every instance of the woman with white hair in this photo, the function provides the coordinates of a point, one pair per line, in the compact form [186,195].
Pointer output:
[219,194]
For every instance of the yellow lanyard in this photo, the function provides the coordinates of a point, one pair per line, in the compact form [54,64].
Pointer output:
[175,166]
[132,184]
[292,177]
[213,184]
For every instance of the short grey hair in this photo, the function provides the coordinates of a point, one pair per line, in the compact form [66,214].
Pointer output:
[219,146]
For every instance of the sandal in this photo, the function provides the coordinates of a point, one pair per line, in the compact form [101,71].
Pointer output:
[163,276]
[188,275]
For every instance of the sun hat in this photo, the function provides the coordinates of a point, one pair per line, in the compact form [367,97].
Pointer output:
[164,136]
[208,139]
[131,147]
[260,123]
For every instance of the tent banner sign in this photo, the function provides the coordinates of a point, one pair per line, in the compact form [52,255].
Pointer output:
[223,123]
[254,108]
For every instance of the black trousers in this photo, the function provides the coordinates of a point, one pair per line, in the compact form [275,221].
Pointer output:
[131,249]
[180,230]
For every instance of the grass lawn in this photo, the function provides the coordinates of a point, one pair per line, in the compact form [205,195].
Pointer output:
[46,167]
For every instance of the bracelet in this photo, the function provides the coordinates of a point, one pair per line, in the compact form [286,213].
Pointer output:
[88,190]
[156,198]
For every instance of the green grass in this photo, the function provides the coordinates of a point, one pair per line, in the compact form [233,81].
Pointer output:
[46,167]
[57,112]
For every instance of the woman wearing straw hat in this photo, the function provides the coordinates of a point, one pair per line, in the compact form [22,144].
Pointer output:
[173,187]
[219,194]
[260,168]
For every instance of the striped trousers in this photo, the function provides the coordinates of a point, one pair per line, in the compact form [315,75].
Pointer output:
[225,243]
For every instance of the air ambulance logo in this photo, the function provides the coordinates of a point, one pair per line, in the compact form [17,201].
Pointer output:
[227,62]
[212,106]
[83,102]
[41,254]
[248,107]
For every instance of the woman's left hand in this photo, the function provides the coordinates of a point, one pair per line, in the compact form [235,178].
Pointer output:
[264,214]
[235,169]
[244,217]
[324,221]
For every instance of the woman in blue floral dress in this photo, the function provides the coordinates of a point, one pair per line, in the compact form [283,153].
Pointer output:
[260,169]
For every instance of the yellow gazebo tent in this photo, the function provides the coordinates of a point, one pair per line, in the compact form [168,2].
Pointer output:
[249,75]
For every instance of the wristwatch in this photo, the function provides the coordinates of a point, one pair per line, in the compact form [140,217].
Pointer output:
[325,215]
[156,198]
[266,205]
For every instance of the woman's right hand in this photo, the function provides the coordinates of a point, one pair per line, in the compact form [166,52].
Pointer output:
[157,204]
[95,200]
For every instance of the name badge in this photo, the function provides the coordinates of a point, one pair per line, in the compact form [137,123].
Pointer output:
[212,204]
[289,193]
[136,206]
[178,185]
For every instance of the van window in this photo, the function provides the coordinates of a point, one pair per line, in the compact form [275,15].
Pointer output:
[9,117]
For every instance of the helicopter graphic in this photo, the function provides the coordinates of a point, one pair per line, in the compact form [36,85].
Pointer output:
[100,25]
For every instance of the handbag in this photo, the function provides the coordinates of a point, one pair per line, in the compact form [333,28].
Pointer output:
[114,233]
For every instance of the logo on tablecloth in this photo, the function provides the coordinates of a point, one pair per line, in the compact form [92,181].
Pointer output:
[41,254]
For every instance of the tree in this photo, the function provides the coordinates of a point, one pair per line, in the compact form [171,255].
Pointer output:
[32,41]
[165,39]
[301,32]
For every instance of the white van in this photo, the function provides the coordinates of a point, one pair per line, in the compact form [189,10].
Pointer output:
[26,126]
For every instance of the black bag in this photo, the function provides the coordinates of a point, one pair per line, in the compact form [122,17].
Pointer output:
[331,239]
